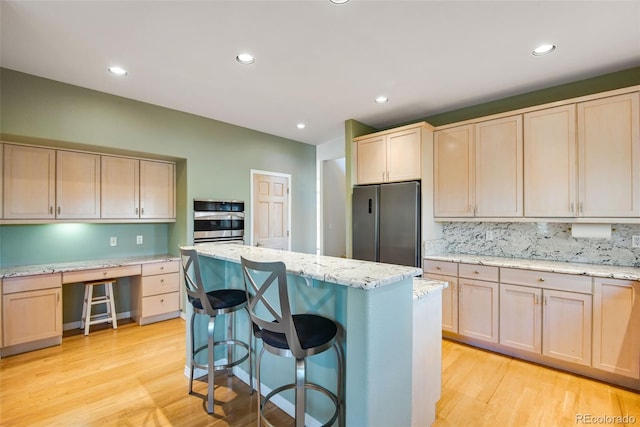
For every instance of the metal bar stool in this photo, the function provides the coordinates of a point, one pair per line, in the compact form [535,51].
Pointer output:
[212,304]
[289,335]
[109,316]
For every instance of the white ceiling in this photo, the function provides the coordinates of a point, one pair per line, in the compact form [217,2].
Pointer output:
[317,62]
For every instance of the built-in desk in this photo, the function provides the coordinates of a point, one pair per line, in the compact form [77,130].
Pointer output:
[31,303]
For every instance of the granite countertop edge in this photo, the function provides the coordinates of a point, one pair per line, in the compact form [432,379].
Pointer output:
[584,269]
[65,267]
[341,271]
[423,287]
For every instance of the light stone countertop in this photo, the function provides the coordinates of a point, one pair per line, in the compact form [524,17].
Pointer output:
[63,267]
[348,272]
[424,286]
[595,270]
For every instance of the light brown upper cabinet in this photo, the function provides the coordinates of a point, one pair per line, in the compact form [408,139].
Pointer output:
[1,179]
[77,185]
[157,190]
[46,185]
[609,157]
[478,169]
[550,162]
[29,182]
[454,172]
[389,156]
[120,187]
[133,188]
[41,183]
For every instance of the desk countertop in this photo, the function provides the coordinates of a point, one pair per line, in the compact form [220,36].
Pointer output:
[348,272]
[63,267]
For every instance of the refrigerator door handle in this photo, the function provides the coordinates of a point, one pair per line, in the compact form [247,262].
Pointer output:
[370,205]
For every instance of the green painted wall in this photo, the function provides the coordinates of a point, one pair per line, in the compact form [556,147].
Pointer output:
[214,159]
[617,80]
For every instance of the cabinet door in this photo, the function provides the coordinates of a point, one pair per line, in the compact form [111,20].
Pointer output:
[478,309]
[616,322]
[371,159]
[454,172]
[550,164]
[77,185]
[609,157]
[498,150]
[157,190]
[449,302]
[29,182]
[521,317]
[1,185]
[566,326]
[31,316]
[404,155]
[120,187]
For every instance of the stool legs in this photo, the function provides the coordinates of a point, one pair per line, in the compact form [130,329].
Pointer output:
[300,392]
[210,367]
[87,314]
[89,301]
[193,352]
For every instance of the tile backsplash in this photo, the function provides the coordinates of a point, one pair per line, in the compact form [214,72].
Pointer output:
[541,240]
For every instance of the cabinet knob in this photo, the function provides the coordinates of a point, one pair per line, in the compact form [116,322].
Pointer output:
[104,273]
[58,210]
[51,209]
[438,267]
[476,272]
[161,280]
[541,279]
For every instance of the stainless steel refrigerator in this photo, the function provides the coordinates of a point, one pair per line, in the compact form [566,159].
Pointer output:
[386,223]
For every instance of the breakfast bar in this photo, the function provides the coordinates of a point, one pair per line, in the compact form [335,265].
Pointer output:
[372,303]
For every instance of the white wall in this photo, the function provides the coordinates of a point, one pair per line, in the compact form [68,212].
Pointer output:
[331,192]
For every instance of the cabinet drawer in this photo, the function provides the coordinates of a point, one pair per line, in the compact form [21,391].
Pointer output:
[160,304]
[543,279]
[160,268]
[100,273]
[478,272]
[160,284]
[448,268]
[12,285]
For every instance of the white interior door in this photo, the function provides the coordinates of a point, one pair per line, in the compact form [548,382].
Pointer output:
[271,210]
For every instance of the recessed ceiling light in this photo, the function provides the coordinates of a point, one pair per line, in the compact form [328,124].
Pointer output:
[543,49]
[381,99]
[245,58]
[118,71]
[301,126]
[339,1]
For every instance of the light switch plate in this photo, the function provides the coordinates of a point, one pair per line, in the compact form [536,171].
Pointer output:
[113,241]
[139,239]
[635,241]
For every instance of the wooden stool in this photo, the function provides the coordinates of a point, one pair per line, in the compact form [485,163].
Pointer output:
[109,316]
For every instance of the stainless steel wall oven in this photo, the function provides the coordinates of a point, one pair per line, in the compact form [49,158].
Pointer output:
[218,221]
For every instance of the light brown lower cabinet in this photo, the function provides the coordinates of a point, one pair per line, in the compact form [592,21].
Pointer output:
[155,295]
[521,317]
[478,302]
[566,326]
[31,309]
[616,326]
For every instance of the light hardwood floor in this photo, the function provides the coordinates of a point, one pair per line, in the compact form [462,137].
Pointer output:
[133,376]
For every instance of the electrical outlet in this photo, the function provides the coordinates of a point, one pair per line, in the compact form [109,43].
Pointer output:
[139,239]
[635,241]
[489,235]
[113,241]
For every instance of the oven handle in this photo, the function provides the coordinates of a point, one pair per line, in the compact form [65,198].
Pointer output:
[217,215]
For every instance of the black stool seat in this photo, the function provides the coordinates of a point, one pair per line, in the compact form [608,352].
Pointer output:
[312,330]
[223,298]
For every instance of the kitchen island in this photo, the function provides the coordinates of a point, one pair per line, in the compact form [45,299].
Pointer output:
[373,305]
